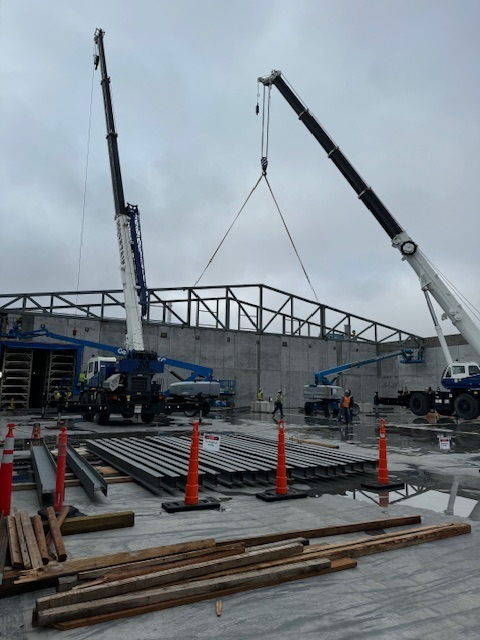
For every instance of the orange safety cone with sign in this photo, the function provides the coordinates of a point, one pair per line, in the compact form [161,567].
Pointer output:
[61,464]
[281,490]
[6,472]
[191,500]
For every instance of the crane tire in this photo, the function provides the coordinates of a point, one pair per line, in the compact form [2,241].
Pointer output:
[467,407]
[418,403]
[308,408]
[102,418]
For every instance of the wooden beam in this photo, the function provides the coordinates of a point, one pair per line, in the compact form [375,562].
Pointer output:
[27,564]
[165,577]
[56,536]
[60,520]
[3,545]
[323,532]
[40,536]
[99,522]
[70,567]
[30,539]
[157,564]
[208,588]
[337,565]
[14,544]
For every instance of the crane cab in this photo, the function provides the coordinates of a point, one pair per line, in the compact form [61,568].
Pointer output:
[466,373]
[98,369]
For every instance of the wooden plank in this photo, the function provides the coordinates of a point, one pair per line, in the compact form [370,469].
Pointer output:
[40,536]
[165,577]
[3,545]
[386,542]
[157,564]
[30,540]
[99,522]
[56,535]
[55,570]
[27,563]
[60,520]
[208,588]
[337,565]
[323,532]
[14,543]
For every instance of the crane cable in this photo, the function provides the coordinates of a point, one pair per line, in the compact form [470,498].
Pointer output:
[82,227]
[290,237]
[228,231]
[264,164]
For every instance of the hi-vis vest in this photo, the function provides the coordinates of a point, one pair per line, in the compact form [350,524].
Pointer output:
[346,402]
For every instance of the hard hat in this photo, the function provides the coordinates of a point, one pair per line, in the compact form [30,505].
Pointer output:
[347,391]
[279,391]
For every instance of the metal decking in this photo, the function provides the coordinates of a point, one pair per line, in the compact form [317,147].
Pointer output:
[161,462]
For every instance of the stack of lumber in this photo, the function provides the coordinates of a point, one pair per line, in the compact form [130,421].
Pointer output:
[30,542]
[113,586]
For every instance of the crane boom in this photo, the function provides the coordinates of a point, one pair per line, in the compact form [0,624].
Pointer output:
[123,215]
[430,280]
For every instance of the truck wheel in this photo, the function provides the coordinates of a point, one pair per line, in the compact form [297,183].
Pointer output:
[418,403]
[191,413]
[102,418]
[147,417]
[308,408]
[466,407]
[355,409]
[88,417]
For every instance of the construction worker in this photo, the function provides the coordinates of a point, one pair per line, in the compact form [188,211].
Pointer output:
[81,380]
[346,407]
[260,395]
[278,404]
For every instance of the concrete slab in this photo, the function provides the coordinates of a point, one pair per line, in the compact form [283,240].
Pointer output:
[429,591]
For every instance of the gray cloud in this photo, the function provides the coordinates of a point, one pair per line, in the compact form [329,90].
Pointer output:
[395,84]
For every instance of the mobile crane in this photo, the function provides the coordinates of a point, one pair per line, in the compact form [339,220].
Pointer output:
[127,384]
[324,394]
[462,380]
[103,390]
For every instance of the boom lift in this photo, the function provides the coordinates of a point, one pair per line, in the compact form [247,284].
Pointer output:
[325,395]
[461,379]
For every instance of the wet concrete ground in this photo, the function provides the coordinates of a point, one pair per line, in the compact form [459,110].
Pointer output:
[429,591]
[439,460]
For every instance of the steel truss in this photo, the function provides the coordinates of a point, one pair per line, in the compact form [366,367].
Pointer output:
[248,307]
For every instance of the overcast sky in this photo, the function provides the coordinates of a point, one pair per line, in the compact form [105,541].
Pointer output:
[394,83]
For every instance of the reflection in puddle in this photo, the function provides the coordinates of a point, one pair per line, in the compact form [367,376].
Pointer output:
[450,503]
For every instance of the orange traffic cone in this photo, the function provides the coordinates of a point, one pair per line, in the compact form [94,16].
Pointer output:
[281,491]
[61,464]
[36,433]
[382,473]
[6,472]
[281,477]
[382,477]
[191,500]
[191,490]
